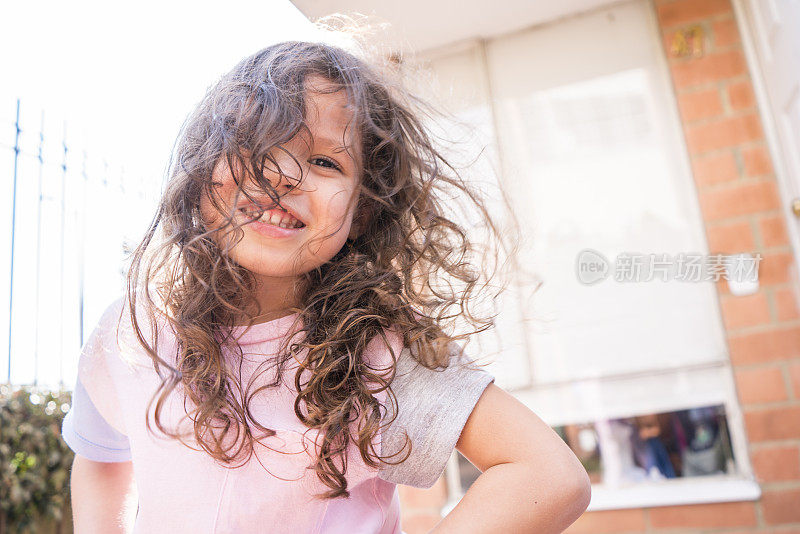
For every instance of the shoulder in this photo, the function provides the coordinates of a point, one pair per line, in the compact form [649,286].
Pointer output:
[96,371]
[432,407]
[114,341]
[111,356]
[100,343]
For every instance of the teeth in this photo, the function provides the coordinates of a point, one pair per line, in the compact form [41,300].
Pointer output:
[275,217]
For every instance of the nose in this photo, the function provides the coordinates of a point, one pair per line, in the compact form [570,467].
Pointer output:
[283,170]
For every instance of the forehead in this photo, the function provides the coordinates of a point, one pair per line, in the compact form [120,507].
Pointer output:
[329,115]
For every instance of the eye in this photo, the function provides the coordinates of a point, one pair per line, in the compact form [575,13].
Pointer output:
[325,162]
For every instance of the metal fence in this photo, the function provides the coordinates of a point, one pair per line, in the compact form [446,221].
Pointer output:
[70,219]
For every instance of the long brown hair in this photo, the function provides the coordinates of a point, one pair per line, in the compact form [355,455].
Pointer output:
[413,268]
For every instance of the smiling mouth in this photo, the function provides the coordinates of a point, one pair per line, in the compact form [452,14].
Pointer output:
[274,216]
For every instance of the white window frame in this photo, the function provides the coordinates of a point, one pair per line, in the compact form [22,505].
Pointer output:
[679,491]
[672,492]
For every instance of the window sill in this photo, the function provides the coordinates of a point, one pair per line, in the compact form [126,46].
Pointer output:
[700,490]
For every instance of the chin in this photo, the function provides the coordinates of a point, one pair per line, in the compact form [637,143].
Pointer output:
[273,269]
[272,262]
[276,268]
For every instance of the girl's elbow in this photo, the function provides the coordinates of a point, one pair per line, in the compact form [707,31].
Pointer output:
[579,494]
[583,493]
[579,489]
[566,501]
[572,496]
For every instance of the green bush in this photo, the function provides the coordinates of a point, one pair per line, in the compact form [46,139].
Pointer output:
[34,460]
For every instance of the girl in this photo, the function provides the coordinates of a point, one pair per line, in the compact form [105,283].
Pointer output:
[280,361]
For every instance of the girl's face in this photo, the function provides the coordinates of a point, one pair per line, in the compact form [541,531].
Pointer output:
[323,202]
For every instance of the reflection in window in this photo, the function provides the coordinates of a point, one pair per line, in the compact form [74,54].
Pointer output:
[651,447]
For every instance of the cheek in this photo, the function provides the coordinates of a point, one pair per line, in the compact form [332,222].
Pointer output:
[334,217]
[336,209]
[210,214]
[207,212]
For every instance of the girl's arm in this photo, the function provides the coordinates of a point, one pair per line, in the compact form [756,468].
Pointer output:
[531,481]
[104,496]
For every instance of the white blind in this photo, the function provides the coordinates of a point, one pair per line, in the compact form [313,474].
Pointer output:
[593,158]
[582,401]
[594,151]
[459,87]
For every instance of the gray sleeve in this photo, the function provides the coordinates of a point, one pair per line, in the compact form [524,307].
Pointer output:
[432,406]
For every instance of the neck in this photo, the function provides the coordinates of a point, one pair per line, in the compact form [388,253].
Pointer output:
[276,297]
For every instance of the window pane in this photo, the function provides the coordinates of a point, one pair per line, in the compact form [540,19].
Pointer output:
[647,448]
[469,145]
[593,153]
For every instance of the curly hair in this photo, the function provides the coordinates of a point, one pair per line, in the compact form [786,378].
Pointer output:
[413,268]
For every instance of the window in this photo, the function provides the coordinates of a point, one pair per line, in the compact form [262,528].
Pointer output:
[627,458]
[589,147]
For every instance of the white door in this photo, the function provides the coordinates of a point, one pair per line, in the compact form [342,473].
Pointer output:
[774,36]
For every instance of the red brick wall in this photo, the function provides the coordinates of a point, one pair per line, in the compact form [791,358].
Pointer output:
[741,209]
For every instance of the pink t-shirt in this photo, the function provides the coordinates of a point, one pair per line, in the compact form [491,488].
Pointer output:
[186,490]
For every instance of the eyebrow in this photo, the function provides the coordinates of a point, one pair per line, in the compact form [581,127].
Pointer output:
[336,147]
[330,142]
